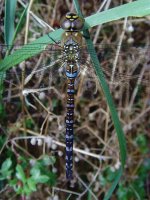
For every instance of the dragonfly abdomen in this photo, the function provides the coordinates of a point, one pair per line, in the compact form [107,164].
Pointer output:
[71,57]
[71,42]
[69,128]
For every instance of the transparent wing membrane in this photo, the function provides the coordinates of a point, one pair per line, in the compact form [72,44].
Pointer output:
[53,48]
[46,69]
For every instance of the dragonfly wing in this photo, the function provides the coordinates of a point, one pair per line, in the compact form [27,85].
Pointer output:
[32,76]
[46,68]
[30,49]
[128,68]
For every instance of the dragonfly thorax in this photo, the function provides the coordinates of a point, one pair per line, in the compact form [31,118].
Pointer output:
[71,52]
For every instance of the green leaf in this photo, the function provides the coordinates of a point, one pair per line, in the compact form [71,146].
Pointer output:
[13,182]
[52,178]
[122,192]
[42,179]
[103,180]
[10,7]
[24,162]
[146,165]
[2,178]
[31,183]
[20,173]
[137,189]
[29,123]
[5,171]
[18,189]
[35,172]
[6,165]
[48,160]
[26,190]
[141,141]
[111,175]
[7,174]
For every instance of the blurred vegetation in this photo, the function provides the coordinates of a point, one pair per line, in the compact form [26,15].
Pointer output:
[32,164]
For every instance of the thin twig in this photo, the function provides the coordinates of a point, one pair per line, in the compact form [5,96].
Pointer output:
[40,21]
[66,191]
[99,157]
[92,182]
[137,87]
[118,50]
[107,2]
[27,21]
[87,188]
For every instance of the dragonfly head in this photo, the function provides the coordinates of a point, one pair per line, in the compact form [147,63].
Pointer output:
[71,16]
[72,22]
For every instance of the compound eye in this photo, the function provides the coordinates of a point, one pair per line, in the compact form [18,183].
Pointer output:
[66,25]
[78,24]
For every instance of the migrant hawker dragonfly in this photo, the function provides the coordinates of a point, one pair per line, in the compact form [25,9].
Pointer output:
[44,76]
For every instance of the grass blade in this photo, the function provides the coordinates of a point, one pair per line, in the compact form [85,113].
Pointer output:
[114,115]
[27,50]
[20,22]
[134,9]
[10,7]
[114,184]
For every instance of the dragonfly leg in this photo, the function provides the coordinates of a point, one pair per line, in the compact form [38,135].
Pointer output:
[78,67]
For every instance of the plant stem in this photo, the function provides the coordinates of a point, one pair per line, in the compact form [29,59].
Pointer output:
[23,197]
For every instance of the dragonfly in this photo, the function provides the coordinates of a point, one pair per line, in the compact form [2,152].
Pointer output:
[70,61]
